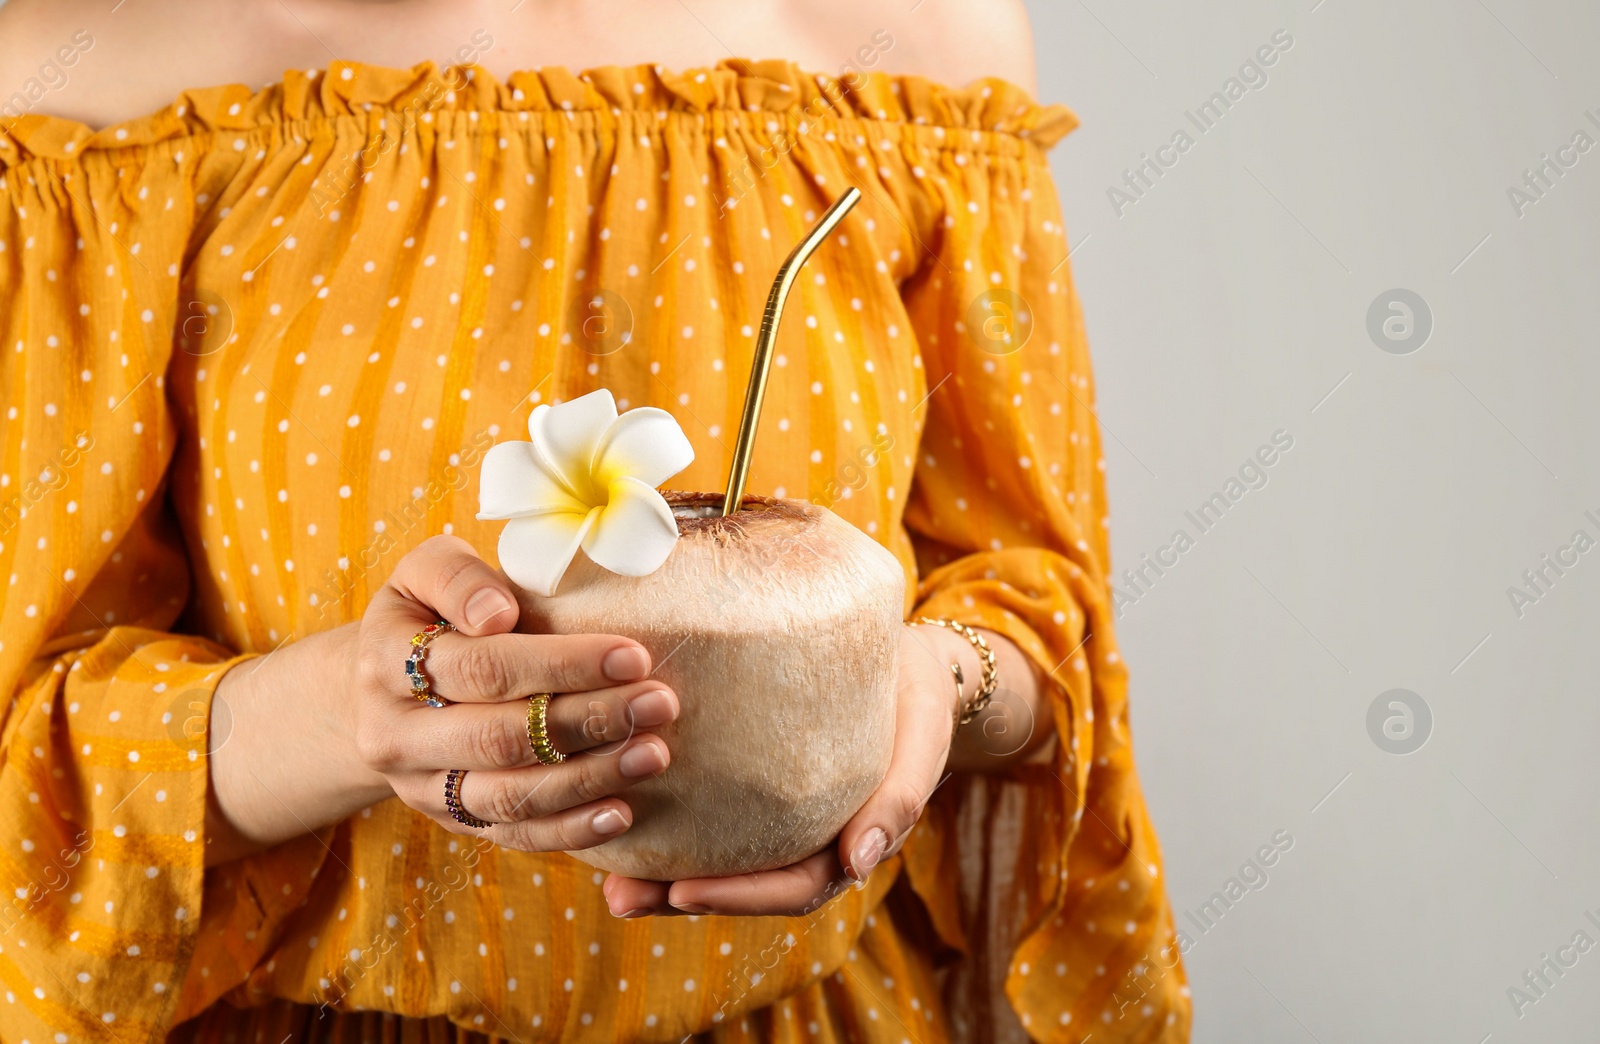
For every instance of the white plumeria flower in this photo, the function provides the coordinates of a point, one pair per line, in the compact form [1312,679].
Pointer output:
[588,479]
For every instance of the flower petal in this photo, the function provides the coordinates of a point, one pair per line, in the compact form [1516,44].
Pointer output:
[536,550]
[645,443]
[513,481]
[567,435]
[635,531]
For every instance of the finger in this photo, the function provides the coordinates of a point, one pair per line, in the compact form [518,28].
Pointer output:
[791,891]
[569,830]
[501,667]
[443,576]
[481,737]
[921,746]
[514,796]
[631,897]
[582,721]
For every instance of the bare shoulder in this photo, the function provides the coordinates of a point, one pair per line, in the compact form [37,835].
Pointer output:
[985,38]
[44,40]
[97,62]
[951,41]
[28,29]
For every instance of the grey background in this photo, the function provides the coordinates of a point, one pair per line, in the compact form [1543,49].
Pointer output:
[1229,302]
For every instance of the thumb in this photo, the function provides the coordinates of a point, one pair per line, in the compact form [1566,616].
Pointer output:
[444,576]
[922,743]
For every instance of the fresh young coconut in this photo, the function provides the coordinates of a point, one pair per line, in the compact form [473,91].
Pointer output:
[777,627]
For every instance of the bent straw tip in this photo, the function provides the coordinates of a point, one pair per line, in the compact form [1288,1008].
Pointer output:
[760,365]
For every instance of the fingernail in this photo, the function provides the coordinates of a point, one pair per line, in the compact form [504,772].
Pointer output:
[609,821]
[641,759]
[868,851]
[626,664]
[638,911]
[656,707]
[485,606]
[691,908]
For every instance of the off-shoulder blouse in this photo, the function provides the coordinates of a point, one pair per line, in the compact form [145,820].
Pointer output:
[255,346]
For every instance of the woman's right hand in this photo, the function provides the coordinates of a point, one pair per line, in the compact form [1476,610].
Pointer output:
[281,774]
[606,699]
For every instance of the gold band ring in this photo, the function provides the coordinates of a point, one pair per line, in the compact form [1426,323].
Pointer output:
[539,730]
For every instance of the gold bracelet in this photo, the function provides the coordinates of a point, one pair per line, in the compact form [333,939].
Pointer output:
[991,673]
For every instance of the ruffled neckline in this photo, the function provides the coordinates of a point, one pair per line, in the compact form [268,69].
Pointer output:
[345,88]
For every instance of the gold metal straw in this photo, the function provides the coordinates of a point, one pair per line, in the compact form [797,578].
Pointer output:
[761,365]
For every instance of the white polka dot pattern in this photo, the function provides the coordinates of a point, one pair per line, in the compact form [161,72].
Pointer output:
[260,343]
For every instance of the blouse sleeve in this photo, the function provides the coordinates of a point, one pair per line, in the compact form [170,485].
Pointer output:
[103,750]
[1008,518]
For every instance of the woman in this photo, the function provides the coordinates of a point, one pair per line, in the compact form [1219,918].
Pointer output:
[259,339]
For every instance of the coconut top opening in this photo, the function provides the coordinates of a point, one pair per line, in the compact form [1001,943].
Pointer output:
[701,513]
[696,510]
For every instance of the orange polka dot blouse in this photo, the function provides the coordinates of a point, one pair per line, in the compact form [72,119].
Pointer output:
[254,348]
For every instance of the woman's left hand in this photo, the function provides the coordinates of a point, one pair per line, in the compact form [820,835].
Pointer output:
[927,702]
